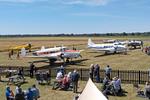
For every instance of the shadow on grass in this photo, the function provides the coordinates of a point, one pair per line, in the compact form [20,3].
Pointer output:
[131,48]
[110,54]
[94,52]
[120,94]
[58,64]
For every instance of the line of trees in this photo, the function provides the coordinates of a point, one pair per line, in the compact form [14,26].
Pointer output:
[84,34]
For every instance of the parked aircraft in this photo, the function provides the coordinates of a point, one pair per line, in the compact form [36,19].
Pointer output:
[135,43]
[108,47]
[54,54]
[18,48]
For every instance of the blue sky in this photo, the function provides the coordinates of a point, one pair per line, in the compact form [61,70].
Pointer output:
[74,16]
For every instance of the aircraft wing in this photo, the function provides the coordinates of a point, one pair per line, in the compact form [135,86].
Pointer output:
[106,49]
[44,57]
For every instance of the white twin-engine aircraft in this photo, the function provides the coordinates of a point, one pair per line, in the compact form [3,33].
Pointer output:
[108,47]
[54,54]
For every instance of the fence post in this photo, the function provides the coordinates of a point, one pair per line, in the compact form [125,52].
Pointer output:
[148,75]
[118,73]
[139,77]
[81,73]
[50,72]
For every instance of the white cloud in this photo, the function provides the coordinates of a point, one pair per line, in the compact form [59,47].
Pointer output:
[98,15]
[66,2]
[22,1]
[14,1]
[86,2]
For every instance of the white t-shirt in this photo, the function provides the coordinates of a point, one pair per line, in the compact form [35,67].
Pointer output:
[59,76]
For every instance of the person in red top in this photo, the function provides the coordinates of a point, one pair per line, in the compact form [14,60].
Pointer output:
[65,83]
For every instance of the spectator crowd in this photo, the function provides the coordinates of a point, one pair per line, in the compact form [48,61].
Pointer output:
[32,93]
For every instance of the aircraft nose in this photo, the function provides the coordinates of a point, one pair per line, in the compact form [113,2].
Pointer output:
[62,55]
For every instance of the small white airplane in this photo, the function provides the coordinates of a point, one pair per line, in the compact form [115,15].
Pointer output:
[108,47]
[54,54]
[135,43]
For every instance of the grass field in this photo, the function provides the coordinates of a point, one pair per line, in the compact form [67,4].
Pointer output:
[47,93]
[134,60]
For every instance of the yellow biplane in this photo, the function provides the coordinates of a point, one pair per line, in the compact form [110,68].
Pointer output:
[18,48]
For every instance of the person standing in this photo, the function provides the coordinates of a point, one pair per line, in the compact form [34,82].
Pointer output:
[10,53]
[97,75]
[21,73]
[75,79]
[108,71]
[91,71]
[32,70]
[18,55]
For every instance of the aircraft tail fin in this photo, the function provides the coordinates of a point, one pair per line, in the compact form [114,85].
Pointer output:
[23,52]
[62,49]
[42,48]
[90,42]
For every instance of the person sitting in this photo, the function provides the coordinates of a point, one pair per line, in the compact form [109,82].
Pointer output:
[17,89]
[139,91]
[106,82]
[20,95]
[36,93]
[147,90]
[65,83]
[9,94]
[58,81]
[69,76]
[59,76]
[118,82]
[29,94]
[115,86]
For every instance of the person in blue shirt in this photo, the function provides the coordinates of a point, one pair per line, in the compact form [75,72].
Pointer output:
[36,93]
[75,79]
[8,94]
[29,94]
[108,71]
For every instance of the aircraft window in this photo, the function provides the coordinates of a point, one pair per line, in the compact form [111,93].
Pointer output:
[108,46]
[52,52]
[63,49]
